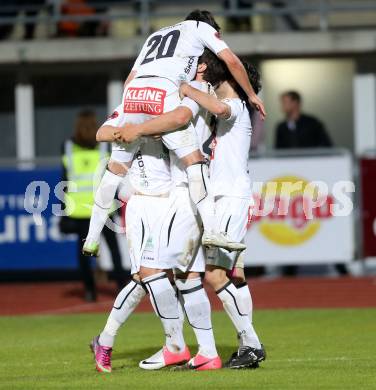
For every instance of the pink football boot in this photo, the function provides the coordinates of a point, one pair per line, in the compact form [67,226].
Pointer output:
[102,356]
[164,358]
[203,363]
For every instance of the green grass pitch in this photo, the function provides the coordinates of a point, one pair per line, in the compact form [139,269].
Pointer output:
[307,349]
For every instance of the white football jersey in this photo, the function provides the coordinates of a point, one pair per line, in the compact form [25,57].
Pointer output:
[150,170]
[229,161]
[172,52]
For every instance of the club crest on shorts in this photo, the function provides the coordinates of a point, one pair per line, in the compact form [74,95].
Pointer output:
[145,100]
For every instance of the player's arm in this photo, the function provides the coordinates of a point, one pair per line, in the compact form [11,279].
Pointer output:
[211,39]
[106,134]
[164,123]
[209,102]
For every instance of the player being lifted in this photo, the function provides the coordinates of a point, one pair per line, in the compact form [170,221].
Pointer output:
[231,188]
[152,88]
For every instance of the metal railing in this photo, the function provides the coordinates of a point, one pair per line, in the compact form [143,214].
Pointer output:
[146,10]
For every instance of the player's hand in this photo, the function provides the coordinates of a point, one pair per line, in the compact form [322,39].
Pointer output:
[128,133]
[183,90]
[256,102]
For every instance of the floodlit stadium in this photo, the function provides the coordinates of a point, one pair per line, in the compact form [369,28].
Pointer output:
[187,194]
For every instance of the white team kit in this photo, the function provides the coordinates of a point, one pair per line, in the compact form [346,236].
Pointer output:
[228,149]
[168,57]
[229,177]
[162,227]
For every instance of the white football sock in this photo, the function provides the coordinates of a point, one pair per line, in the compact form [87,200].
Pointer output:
[199,191]
[198,312]
[180,305]
[245,295]
[238,311]
[126,301]
[165,304]
[103,200]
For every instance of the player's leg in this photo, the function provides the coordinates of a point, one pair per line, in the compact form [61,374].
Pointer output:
[125,303]
[154,271]
[200,187]
[238,278]
[234,215]
[238,311]
[103,201]
[131,295]
[166,306]
[198,312]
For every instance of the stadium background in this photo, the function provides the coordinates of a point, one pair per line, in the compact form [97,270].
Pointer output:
[58,57]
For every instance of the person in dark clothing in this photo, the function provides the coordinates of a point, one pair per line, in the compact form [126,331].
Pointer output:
[299,130]
[80,159]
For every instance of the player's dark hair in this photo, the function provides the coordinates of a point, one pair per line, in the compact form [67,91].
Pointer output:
[203,16]
[254,79]
[216,71]
[293,95]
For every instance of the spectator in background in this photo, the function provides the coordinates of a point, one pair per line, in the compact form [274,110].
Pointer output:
[73,28]
[80,160]
[299,130]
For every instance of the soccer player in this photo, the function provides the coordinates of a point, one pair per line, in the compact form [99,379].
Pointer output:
[232,193]
[169,56]
[163,233]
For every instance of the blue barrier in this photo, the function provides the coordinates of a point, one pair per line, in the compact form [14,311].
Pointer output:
[23,243]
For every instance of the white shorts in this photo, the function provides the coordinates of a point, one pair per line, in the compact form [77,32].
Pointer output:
[163,233]
[145,98]
[232,214]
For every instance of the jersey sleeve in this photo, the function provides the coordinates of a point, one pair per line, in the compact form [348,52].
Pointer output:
[115,118]
[210,38]
[190,103]
[235,107]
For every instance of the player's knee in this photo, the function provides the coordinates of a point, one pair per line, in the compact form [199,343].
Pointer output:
[186,275]
[117,168]
[216,278]
[237,280]
[238,276]
[193,158]
[147,272]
